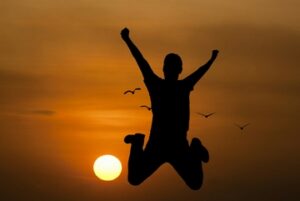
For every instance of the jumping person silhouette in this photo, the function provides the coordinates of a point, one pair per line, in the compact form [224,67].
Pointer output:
[170,123]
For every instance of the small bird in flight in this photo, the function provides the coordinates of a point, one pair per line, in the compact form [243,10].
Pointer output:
[132,91]
[206,115]
[147,107]
[241,126]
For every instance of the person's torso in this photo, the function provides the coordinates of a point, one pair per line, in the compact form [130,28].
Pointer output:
[170,106]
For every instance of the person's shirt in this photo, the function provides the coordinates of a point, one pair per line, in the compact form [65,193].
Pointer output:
[170,102]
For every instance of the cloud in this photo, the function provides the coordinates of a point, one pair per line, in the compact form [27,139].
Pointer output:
[43,112]
[40,112]
[18,89]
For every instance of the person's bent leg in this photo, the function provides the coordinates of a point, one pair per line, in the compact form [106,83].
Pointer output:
[135,156]
[141,164]
[189,169]
[187,161]
[139,173]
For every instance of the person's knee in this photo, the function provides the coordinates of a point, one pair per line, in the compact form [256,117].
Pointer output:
[193,178]
[134,180]
[195,185]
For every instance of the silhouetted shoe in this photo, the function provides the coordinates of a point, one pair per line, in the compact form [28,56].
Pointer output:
[136,138]
[128,139]
[199,150]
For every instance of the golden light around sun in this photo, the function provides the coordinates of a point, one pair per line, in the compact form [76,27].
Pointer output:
[107,167]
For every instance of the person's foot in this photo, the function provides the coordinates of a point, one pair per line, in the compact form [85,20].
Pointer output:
[199,150]
[138,137]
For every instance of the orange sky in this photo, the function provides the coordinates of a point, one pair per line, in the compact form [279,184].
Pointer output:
[64,68]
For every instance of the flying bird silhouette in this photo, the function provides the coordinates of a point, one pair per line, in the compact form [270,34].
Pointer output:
[206,115]
[241,126]
[132,91]
[147,107]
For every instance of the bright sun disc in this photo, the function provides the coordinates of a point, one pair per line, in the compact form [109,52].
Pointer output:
[107,167]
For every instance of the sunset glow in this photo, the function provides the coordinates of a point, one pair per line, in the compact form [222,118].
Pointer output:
[64,70]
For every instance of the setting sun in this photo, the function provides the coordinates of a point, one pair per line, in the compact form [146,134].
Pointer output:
[107,167]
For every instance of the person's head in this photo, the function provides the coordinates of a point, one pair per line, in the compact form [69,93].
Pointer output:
[172,66]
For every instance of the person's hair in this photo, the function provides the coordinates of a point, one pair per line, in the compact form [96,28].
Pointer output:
[172,64]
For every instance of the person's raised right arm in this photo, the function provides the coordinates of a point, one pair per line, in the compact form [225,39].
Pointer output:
[196,76]
[141,61]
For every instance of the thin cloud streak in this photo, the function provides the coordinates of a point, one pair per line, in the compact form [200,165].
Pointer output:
[43,112]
